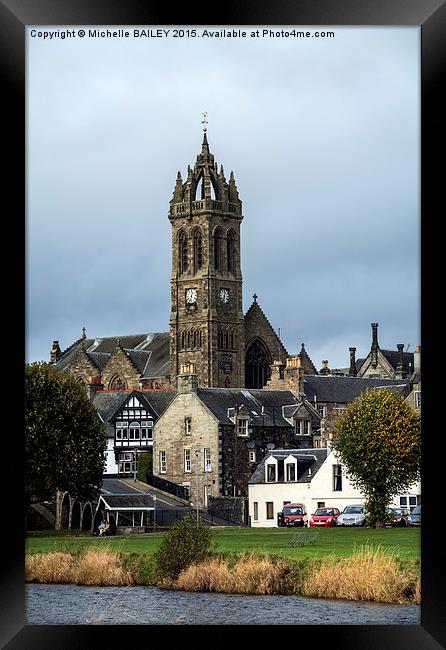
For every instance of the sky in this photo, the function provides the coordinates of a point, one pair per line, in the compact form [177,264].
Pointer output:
[323,136]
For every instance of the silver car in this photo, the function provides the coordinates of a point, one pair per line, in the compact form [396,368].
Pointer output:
[414,519]
[352,516]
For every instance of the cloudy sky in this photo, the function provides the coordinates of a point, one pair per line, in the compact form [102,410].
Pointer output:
[322,136]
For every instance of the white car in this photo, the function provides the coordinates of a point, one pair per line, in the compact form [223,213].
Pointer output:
[352,516]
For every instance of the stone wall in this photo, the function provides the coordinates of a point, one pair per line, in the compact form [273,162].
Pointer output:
[120,364]
[233,509]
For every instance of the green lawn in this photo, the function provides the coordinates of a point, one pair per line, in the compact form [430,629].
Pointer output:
[341,541]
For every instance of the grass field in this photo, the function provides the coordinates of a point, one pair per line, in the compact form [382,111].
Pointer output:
[405,542]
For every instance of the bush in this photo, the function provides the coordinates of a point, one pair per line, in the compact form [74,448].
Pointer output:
[187,541]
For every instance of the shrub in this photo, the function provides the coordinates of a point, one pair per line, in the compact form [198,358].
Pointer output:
[186,541]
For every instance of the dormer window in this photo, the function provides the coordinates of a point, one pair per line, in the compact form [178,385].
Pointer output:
[271,473]
[290,469]
[242,426]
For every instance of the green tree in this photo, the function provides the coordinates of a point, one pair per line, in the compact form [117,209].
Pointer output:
[186,541]
[378,439]
[65,442]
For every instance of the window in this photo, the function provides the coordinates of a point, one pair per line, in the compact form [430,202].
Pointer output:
[321,410]
[242,426]
[337,478]
[256,510]
[269,510]
[230,251]
[321,504]
[217,250]
[187,461]
[125,462]
[291,471]
[198,250]
[117,383]
[270,473]
[302,427]
[207,460]
[418,399]
[183,252]
[252,456]
[163,462]
[188,426]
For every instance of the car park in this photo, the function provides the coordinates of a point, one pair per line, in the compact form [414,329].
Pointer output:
[294,514]
[396,517]
[324,517]
[352,515]
[414,519]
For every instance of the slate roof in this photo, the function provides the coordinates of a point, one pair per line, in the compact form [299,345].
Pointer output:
[219,400]
[393,357]
[135,501]
[150,352]
[306,459]
[345,389]
[107,402]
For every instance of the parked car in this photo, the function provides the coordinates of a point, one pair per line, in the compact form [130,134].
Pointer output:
[324,517]
[353,515]
[414,519]
[396,517]
[294,514]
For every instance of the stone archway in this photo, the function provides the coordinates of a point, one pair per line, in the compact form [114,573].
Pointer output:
[76,515]
[87,517]
[257,364]
[65,512]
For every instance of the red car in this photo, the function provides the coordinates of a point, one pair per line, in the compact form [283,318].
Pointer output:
[294,514]
[324,518]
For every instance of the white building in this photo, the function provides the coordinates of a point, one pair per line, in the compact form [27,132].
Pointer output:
[314,477]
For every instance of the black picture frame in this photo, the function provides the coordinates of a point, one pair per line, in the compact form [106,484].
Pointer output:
[430,16]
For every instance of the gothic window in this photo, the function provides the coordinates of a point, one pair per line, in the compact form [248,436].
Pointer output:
[217,249]
[226,339]
[257,365]
[198,250]
[183,342]
[117,383]
[230,250]
[231,340]
[220,337]
[183,252]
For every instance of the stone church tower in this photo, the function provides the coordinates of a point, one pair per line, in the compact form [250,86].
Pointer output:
[207,322]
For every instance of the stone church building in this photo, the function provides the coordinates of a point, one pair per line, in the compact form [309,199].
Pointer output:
[208,329]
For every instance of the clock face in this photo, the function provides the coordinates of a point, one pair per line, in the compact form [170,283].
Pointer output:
[191,296]
[224,296]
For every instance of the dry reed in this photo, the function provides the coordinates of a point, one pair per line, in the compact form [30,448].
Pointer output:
[369,574]
[94,567]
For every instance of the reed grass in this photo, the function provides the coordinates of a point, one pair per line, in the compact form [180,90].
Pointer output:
[93,567]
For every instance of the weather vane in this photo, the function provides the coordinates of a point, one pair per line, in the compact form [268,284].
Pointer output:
[204,121]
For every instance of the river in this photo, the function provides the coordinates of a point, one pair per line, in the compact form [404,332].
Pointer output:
[76,605]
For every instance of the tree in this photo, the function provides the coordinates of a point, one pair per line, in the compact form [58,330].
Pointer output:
[65,442]
[378,438]
[187,541]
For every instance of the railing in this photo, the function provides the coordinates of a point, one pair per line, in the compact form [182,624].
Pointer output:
[167,486]
[165,517]
[205,204]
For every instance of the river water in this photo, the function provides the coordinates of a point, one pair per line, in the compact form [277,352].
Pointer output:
[73,605]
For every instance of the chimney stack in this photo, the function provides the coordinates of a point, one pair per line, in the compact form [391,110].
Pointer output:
[352,371]
[375,346]
[55,352]
[417,359]
[400,366]
[187,381]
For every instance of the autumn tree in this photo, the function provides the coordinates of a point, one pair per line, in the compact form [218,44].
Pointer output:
[64,440]
[378,439]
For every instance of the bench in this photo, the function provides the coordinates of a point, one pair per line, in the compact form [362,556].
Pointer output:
[303,538]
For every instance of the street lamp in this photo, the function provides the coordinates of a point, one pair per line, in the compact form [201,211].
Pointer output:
[154,512]
[134,464]
[197,454]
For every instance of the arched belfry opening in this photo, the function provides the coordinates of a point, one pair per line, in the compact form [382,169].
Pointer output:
[200,193]
[257,364]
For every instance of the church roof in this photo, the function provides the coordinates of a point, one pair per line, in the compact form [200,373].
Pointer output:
[149,352]
[345,389]
[220,400]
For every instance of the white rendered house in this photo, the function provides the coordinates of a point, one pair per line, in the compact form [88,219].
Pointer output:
[314,477]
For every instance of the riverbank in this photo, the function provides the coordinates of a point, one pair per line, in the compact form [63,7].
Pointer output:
[370,573]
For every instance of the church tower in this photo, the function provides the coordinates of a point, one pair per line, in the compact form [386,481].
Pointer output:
[206,322]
